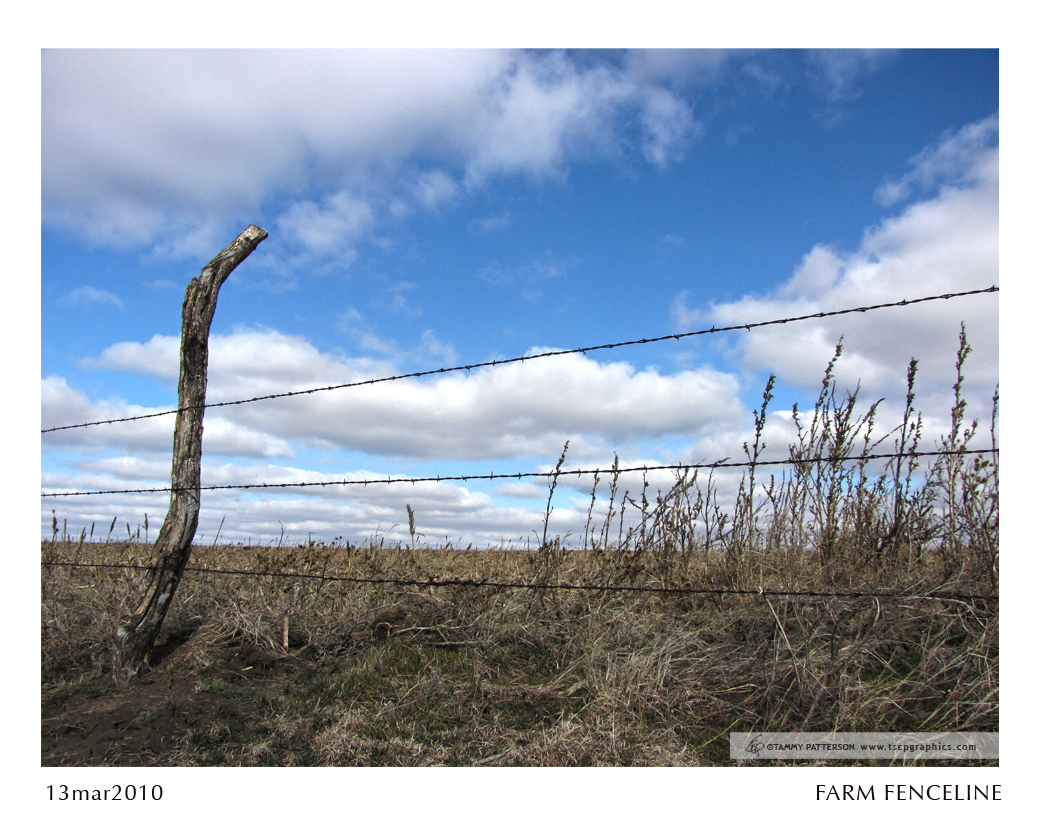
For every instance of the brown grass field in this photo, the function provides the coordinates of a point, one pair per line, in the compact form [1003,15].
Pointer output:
[265,670]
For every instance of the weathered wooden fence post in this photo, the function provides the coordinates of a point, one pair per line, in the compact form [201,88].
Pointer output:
[135,636]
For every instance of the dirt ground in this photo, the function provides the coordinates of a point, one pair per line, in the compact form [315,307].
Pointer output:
[141,724]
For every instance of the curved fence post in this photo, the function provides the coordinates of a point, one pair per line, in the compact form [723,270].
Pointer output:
[135,636]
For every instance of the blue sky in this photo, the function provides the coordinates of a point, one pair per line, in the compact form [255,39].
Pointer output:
[433,208]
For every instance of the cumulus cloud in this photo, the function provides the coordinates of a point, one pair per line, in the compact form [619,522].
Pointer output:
[945,243]
[63,406]
[159,357]
[144,148]
[967,157]
[515,411]
[523,412]
[329,229]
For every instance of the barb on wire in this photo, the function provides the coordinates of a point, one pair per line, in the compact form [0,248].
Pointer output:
[595,472]
[472,366]
[499,584]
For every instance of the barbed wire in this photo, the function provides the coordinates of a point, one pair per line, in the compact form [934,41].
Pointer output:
[500,584]
[543,474]
[490,363]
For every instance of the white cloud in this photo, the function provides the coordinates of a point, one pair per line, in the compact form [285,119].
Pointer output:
[434,188]
[667,121]
[518,411]
[947,243]
[147,147]
[521,490]
[818,272]
[543,110]
[63,405]
[159,357]
[965,158]
[329,230]
[194,240]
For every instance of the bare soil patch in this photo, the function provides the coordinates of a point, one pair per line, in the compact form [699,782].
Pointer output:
[98,723]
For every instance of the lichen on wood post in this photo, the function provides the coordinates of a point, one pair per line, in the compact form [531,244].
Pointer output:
[135,636]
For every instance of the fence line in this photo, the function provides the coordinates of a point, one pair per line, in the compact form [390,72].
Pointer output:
[496,584]
[547,474]
[499,585]
[554,473]
[472,366]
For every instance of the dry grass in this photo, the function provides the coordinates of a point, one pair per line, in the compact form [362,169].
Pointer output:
[374,673]
[463,675]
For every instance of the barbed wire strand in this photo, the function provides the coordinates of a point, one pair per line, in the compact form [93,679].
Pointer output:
[498,584]
[545,474]
[490,363]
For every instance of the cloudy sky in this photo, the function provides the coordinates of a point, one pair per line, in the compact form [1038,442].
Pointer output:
[428,209]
